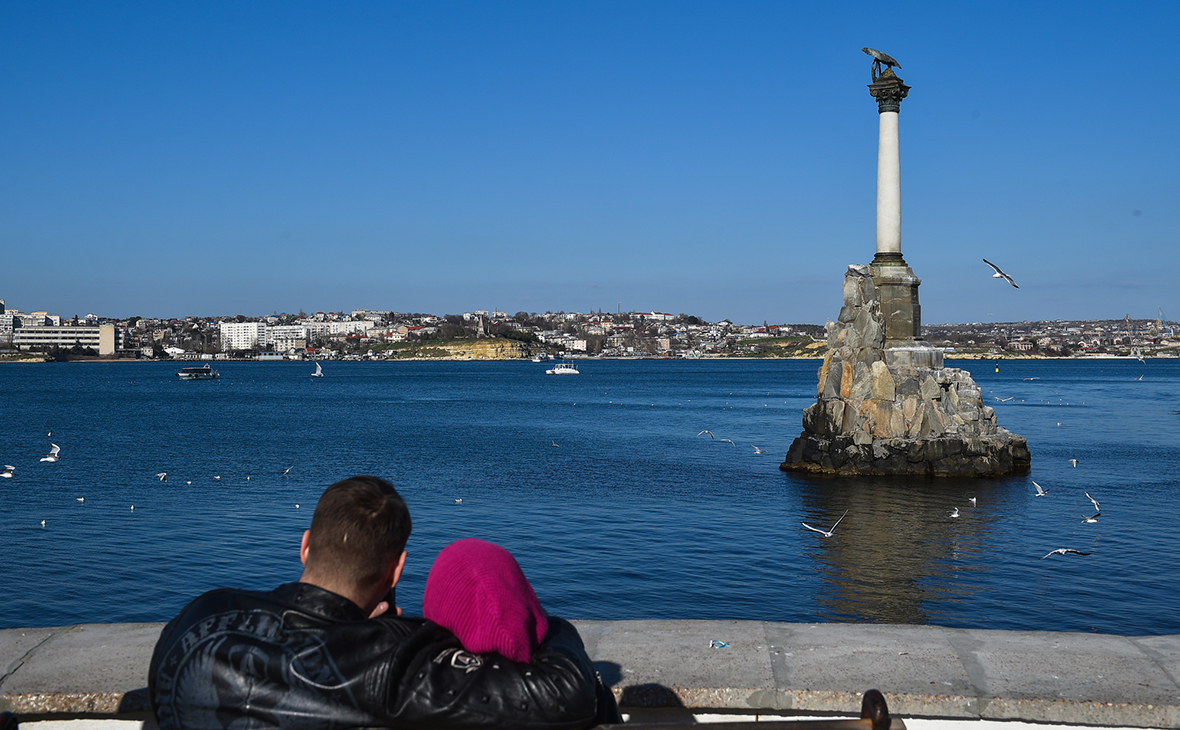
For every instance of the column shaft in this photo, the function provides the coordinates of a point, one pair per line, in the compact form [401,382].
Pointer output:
[888,186]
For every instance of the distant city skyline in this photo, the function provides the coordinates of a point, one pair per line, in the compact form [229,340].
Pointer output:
[704,158]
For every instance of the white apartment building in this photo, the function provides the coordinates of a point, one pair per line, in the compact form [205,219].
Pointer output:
[105,339]
[242,335]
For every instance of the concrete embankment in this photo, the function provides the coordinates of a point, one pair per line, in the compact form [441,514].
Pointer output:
[698,670]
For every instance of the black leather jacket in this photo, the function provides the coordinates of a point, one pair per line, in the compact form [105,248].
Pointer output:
[303,658]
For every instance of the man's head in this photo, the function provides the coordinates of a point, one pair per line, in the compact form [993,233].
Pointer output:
[356,543]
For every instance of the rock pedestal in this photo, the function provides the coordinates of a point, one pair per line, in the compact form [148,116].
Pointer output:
[885,404]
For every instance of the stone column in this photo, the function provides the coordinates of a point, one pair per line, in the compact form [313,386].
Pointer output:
[888,90]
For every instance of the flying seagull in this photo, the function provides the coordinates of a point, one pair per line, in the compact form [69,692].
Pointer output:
[1094,502]
[1003,400]
[971,500]
[731,443]
[1000,274]
[1040,492]
[1063,551]
[884,58]
[286,471]
[53,454]
[162,476]
[1091,519]
[708,432]
[7,473]
[955,512]
[757,450]
[825,533]
[1074,462]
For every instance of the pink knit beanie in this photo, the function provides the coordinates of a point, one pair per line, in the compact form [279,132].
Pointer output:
[478,591]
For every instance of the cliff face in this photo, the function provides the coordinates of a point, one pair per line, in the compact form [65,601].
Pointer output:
[486,349]
[869,418]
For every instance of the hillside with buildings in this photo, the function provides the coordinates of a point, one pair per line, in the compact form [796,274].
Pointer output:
[481,334]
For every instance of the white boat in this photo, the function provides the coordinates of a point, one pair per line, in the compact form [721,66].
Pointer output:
[541,357]
[204,372]
[319,371]
[565,367]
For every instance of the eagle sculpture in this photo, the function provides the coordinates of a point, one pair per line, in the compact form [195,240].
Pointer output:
[880,58]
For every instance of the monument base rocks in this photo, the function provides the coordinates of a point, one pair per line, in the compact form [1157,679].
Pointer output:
[877,414]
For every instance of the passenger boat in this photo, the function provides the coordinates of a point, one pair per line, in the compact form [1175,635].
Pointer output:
[204,372]
[565,367]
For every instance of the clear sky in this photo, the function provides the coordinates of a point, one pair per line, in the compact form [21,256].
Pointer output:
[712,158]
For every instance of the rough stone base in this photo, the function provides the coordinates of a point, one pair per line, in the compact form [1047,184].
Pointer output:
[945,456]
[888,406]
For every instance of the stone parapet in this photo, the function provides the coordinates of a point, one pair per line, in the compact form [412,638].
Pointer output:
[736,667]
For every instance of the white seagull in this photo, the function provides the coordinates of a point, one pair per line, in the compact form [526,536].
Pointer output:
[971,500]
[81,499]
[825,533]
[1074,462]
[1091,519]
[1003,400]
[1064,551]
[162,476]
[955,512]
[708,432]
[459,500]
[731,443]
[757,450]
[53,455]
[1000,274]
[1040,492]
[1094,502]
[7,473]
[286,471]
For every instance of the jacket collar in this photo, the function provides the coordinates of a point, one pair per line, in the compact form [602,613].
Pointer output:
[319,602]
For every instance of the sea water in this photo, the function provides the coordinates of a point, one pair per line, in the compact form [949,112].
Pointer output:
[602,485]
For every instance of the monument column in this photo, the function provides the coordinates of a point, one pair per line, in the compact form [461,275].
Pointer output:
[889,90]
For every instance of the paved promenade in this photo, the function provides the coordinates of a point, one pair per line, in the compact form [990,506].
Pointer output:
[669,670]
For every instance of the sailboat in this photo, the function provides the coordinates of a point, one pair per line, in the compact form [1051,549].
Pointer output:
[319,371]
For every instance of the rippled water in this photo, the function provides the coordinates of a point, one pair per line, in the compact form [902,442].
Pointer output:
[630,515]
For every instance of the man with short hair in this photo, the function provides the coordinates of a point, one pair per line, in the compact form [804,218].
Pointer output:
[330,652]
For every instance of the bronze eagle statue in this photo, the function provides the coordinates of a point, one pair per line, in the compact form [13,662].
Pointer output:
[880,58]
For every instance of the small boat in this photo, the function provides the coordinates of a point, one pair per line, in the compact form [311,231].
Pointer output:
[541,357]
[319,371]
[565,367]
[204,372]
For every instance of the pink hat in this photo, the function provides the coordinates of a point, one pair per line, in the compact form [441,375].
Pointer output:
[478,591]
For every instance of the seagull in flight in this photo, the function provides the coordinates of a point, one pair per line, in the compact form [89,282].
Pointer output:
[971,500]
[1003,400]
[7,473]
[757,450]
[162,476]
[286,471]
[731,443]
[955,512]
[53,455]
[1091,519]
[1040,492]
[1000,274]
[554,443]
[1032,378]
[1074,462]
[708,432]
[459,500]
[825,533]
[1064,551]
[1094,502]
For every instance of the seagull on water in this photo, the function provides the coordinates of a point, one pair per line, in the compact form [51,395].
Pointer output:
[757,450]
[1040,492]
[53,455]
[81,499]
[162,476]
[1064,551]
[43,523]
[7,473]
[1000,274]
[825,533]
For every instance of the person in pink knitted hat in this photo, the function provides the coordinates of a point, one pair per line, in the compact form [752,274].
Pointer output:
[478,592]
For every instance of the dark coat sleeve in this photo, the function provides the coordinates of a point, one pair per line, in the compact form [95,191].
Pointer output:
[445,686]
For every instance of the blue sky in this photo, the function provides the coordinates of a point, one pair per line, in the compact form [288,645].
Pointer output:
[712,158]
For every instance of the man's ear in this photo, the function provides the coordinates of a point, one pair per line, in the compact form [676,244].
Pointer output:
[305,547]
[397,569]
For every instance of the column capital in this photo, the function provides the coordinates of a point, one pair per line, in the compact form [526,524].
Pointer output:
[888,89]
